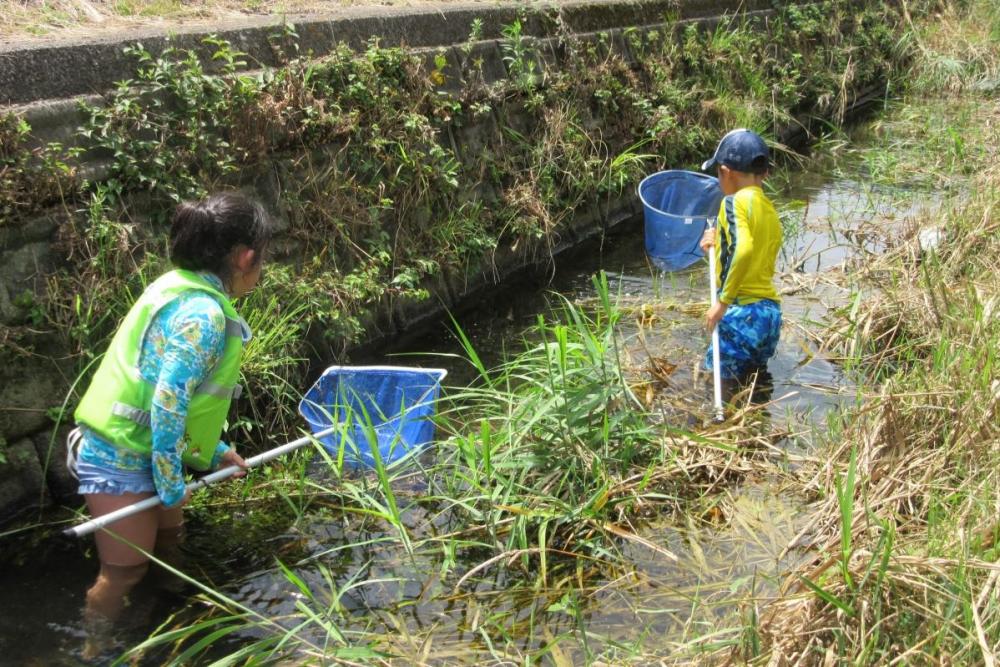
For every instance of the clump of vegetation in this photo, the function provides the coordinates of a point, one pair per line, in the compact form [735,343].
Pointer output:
[30,179]
[166,130]
[906,513]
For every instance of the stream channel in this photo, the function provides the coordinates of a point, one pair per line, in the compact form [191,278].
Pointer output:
[661,604]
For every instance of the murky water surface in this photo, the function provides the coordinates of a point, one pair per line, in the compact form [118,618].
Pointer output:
[721,564]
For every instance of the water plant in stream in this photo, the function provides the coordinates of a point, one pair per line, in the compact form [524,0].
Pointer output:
[562,449]
[545,470]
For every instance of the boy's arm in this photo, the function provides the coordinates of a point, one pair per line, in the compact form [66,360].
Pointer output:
[741,249]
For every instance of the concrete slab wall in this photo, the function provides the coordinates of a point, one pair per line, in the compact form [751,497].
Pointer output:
[93,66]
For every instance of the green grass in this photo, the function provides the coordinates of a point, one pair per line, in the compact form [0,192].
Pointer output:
[545,470]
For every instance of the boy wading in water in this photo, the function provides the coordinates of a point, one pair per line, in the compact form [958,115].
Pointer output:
[748,312]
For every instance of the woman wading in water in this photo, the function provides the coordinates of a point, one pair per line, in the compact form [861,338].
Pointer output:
[160,397]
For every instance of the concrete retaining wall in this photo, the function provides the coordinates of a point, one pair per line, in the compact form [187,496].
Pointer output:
[31,74]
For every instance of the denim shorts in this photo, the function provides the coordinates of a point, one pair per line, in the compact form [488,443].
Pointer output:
[102,479]
[99,478]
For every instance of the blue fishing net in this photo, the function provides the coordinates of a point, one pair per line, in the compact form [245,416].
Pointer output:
[677,205]
[387,409]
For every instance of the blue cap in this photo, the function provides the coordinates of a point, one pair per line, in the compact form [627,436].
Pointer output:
[739,150]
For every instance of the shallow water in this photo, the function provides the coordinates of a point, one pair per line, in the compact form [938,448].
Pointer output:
[723,564]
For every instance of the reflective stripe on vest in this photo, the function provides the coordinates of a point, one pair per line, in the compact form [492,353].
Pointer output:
[145,418]
[234,328]
[141,417]
[217,390]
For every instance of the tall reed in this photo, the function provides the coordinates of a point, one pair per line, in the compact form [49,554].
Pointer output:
[545,468]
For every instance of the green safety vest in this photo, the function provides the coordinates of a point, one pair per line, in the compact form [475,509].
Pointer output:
[117,403]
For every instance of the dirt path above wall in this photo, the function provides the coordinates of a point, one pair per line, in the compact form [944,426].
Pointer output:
[28,22]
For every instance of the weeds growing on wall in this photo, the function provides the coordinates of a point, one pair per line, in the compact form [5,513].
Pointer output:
[30,179]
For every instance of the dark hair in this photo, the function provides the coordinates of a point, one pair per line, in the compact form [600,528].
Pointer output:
[204,234]
[760,166]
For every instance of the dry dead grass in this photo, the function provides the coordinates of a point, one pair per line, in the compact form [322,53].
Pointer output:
[918,582]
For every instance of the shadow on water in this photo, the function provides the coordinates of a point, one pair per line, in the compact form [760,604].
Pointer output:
[730,555]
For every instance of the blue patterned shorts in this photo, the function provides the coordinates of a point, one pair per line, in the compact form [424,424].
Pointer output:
[748,337]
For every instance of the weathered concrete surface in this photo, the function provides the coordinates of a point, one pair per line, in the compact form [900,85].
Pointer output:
[22,483]
[36,384]
[92,66]
[25,255]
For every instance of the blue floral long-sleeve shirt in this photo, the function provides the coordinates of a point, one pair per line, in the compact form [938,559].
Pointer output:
[184,342]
